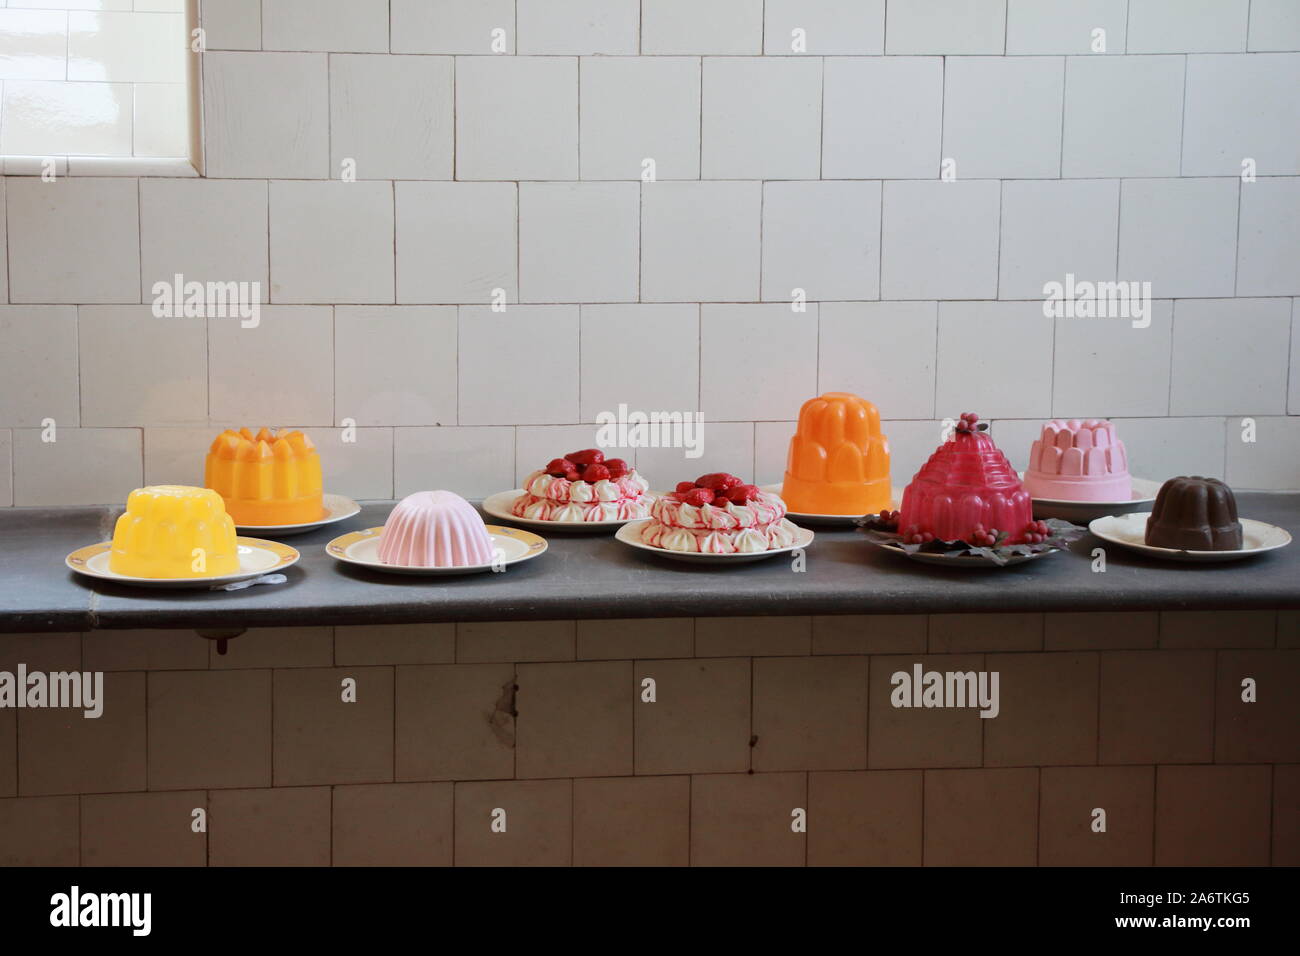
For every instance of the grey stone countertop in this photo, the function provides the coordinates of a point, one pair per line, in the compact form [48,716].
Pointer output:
[595,576]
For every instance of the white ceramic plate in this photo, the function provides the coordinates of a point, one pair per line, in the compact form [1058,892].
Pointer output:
[362,548]
[630,534]
[843,521]
[256,557]
[1129,531]
[337,507]
[966,560]
[1081,512]
[498,506]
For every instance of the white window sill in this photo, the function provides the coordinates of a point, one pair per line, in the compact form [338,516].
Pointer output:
[97,166]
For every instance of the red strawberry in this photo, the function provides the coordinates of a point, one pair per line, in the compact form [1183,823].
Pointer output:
[558,466]
[596,472]
[699,497]
[684,487]
[742,494]
[617,467]
[718,481]
[588,456]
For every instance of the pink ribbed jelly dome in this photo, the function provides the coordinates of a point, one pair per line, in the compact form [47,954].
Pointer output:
[967,482]
[435,529]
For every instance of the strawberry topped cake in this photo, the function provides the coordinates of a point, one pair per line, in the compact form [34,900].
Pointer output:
[718,514]
[584,486]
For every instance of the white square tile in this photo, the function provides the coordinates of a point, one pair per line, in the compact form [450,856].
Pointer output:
[1274,25]
[883,117]
[504,379]
[642,356]
[38,365]
[771,449]
[361,468]
[1162,448]
[248,368]
[331,242]
[829,27]
[1002,116]
[392,116]
[1187,26]
[722,446]
[59,472]
[995,359]
[252,135]
[733,27]
[883,351]
[162,120]
[138,369]
[535,445]
[1179,234]
[911,443]
[639,108]
[395,365]
[1106,367]
[231,246]
[946,26]
[1065,26]
[1241,107]
[700,241]
[127,47]
[578,242]
[939,240]
[1268,246]
[579,26]
[354,26]
[1270,462]
[739,138]
[231,24]
[452,26]
[1123,116]
[175,456]
[1035,247]
[473,462]
[1230,357]
[823,238]
[516,117]
[94,119]
[33,45]
[456,242]
[80,240]
[6,468]
[1015,436]
[756,361]
[1293,404]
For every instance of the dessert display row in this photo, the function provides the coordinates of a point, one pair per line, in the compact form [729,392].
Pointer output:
[966,501]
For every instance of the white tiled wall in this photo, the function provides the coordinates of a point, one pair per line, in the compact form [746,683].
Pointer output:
[917,168]
[103,78]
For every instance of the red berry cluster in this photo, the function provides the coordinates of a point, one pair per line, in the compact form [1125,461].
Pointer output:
[887,520]
[982,538]
[967,423]
[1036,532]
[914,535]
[715,489]
[590,465]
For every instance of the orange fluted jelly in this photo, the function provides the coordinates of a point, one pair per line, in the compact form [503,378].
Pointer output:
[839,460]
[266,479]
[174,531]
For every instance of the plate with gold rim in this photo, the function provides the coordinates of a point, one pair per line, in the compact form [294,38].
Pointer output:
[256,557]
[510,545]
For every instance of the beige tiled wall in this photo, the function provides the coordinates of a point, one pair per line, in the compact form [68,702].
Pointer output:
[754,719]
